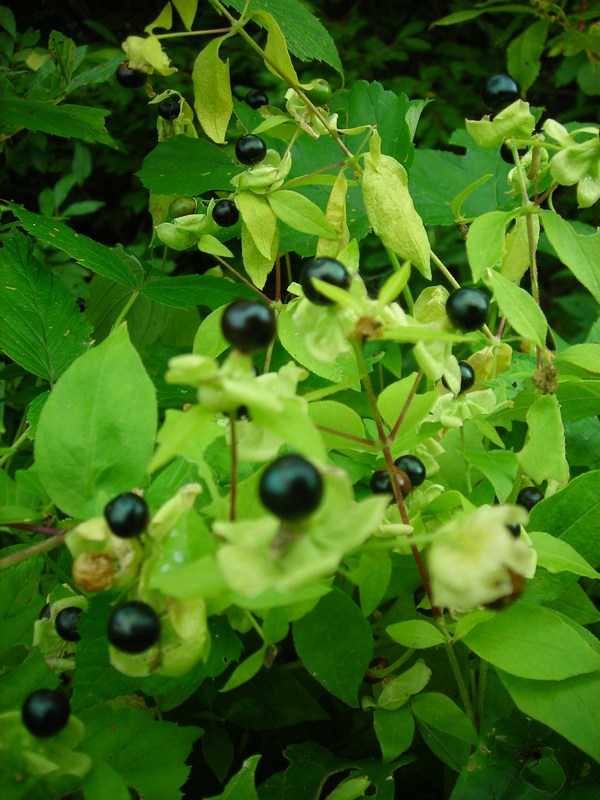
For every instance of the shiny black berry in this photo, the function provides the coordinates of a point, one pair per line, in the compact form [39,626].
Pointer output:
[467,376]
[130,78]
[66,623]
[169,108]
[467,309]
[529,497]
[514,529]
[324,269]
[380,482]
[291,487]
[413,467]
[506,154]
[133,627]
[500,90]
[45,712]
[127,515]
[248,325]
[46,612]
[225,213]
[250,149]
[257,98]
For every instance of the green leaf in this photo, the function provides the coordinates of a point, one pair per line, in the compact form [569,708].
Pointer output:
[580,253]
[524,54]
[374,573]
[485,241]
[213,102]
[242,784]
[516,120]
[391,210]
[394,397]
[398,689]
[335,645]
[571,707]
[20,602]
[245,671]
[259,220]
[90,254]
[441,713]
[62,52]
[500,467]
[307,38]
[395,731]
[519,308]
[187,11]
[41,327]
[70,121]
[415,634]
[185,166]
[533,642]
[300,213]
[277,57]
[148,754]
[586,356]
[257,265]
[96,431]
[516,258]
[543,456]
[337,417]
[555,555]
[181,291]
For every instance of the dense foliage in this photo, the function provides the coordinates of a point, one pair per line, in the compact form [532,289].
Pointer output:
[300,401]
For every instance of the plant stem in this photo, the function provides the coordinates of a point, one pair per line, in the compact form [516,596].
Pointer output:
[207,32]
[224,263]
[445,271]
[126,309]
[382,673]
[406,406]
[481,687]
[34,550]
[14,447]
[458,676]
[25,526]
[358,439]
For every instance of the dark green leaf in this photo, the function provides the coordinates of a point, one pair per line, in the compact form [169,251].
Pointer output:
[90,254]
[182,291]
[20,602]
[41,327]
[70,121]
[242,784]
[335,645]
[186,166]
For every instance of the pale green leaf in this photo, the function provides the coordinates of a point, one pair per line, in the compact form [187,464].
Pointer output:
[332,418]
[242,785]
[164,20]
[580,253]
[456,204]
[586,356]
[391,210]
[398,689]
[246,670]
[257,265]
[213,246]
[416,634]
[517,257]
[533,642]
[277,57]
[485,241]
[96,431]
[519,308]
[300,213]
[543,456]
[213,101]
[259,220]
[187,11]
[556,555]
[516,120]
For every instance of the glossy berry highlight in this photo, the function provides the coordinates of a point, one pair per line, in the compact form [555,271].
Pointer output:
[413,467]
[133,627]
[169,108]
[127,515]
[130,78]
[250,149]
[291,488]
[66,623]
[500,91]
[248,325]
[45,713]
[529,497]
[257,98]
[467,309]
[380,482]
[467,376]
[225,213]
[324,269]
[183,207]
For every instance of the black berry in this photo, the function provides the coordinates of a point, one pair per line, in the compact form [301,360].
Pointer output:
[183,207]
[80,303]
[529,497]
[500,90]
[127,515]
[66,623]
[225,213]
[46,612]
[257,98]
[514,529]
[291,487]
[133,627]
[506,154]
[467,376]
[380,482]
[169,108]
[45,712]
[467,309]
[413,467]
[324,269]
[248,325]
[130,78]
[250,149]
